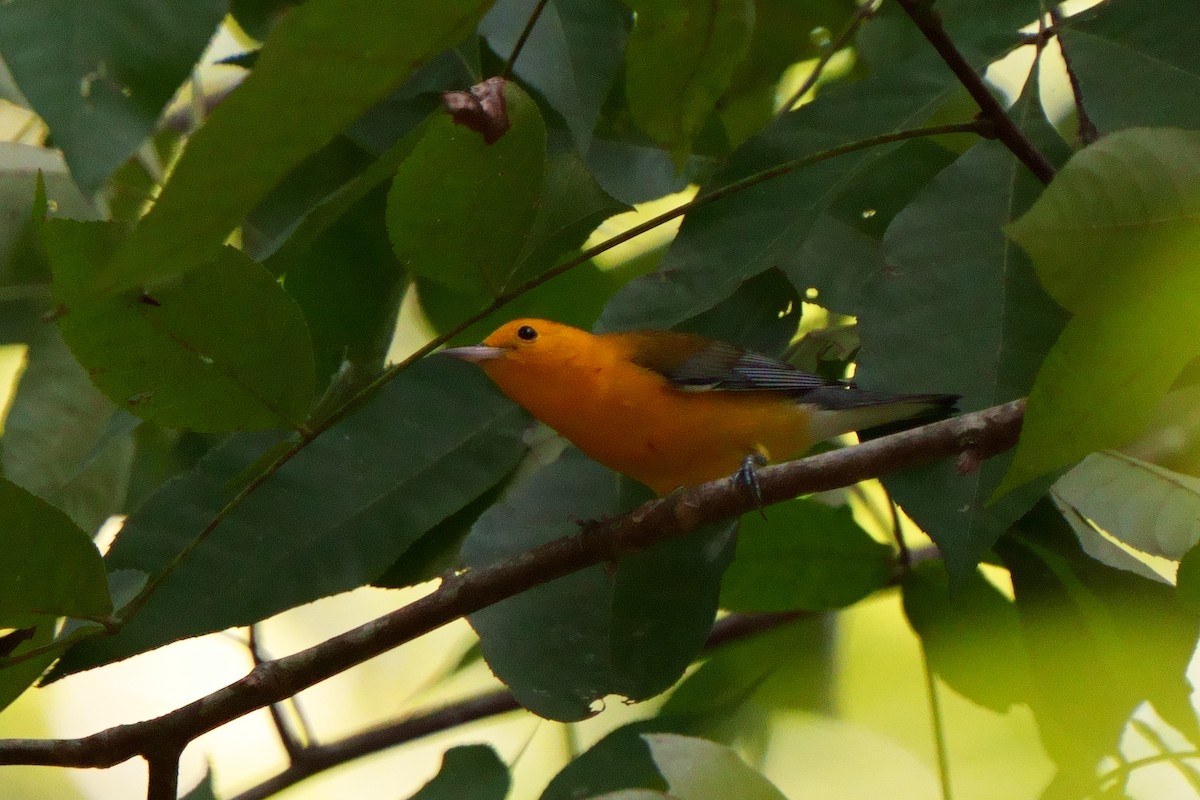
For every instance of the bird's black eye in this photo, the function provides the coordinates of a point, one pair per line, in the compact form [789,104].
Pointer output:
[526,333]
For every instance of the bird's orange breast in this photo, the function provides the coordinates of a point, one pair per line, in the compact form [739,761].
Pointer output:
[633,421]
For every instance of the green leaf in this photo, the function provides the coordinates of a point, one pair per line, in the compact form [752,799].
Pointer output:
[1113,240]
[804,555]
[204,789]
[962,635]
[790,667]
[469,772]
[722,244]
[58,443]
[959,310]
[631,628]
[220,348]
[333,518]
[460,208]
[349,287]
[1133,66]
[570,207]
[325,63]
[783,36]
[99,74]
[696,769]
[20,166]
[680,59]
[34,634]
[1101,642]
[50,566]
[620,760]
[571,55]
[1147,507]
[761,315]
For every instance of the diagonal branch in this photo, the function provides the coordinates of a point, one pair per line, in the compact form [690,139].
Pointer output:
[318,758]
[923,15]
[982,434]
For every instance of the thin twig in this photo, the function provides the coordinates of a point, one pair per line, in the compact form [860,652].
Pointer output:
[987,432]
[293,745]
[318,758]
[1126,768]
[861,14]
[939,729]
[520,45]
[1088,132]
[927,20]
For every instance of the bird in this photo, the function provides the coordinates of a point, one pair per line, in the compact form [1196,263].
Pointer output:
[672,409]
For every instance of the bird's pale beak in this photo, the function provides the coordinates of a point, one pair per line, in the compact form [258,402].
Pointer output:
[475,353]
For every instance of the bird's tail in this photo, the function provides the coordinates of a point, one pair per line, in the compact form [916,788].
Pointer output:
[841,409]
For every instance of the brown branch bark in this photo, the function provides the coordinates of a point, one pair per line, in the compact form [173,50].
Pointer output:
[983,433]
[927,20]
[318,758]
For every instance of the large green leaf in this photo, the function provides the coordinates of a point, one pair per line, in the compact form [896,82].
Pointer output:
[1114,240]
[571,55]
[621,760]
[324,64]
[50,567]
[1133,66]
[1101,642]
[99,74]
[1147,507]
[697,769]
[962,635]
[804,555]
[630,629]
[349,287]
[58,442]
[722,244]
[333,518]
[569,207]
[841,254]
[469,772]
[220,348]
[680,59]
[791,667]
[959,310]
[460,207]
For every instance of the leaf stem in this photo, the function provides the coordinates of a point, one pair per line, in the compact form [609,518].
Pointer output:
[520,45]
[939,729]
[862,13]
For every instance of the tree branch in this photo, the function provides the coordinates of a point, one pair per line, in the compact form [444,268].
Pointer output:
[984,433]
[1088,132]
[319,758]
[927,20]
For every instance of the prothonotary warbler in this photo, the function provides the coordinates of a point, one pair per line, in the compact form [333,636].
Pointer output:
[673,409]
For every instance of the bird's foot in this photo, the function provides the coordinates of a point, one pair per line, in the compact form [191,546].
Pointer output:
[747,478]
